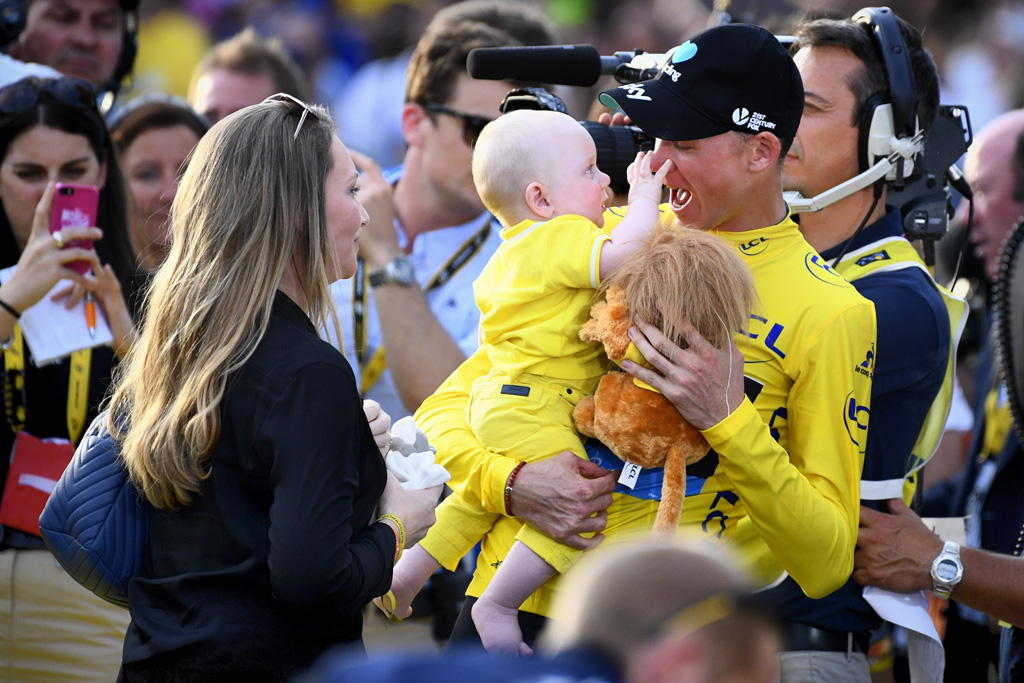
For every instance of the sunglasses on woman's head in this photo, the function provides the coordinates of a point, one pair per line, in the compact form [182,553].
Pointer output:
[306,109]
[26,93]
[471,125]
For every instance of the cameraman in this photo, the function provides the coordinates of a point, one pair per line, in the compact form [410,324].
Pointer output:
[842,69]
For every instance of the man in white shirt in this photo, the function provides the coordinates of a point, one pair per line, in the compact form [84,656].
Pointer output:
[429,235]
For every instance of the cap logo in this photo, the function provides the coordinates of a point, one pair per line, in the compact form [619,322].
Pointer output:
[755,122]
[684,52]
[635,91]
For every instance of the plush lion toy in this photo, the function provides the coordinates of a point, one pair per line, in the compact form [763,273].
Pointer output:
[679,274]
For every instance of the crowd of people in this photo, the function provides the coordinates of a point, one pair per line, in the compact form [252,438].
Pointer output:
[246,233]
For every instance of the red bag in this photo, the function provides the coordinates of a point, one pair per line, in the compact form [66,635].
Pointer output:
[36,465]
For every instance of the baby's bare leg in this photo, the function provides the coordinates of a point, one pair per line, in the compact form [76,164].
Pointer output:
[496,611]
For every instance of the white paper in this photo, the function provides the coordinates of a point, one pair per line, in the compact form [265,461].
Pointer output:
[925,658]
[909,610]
[53,331]
[948,528]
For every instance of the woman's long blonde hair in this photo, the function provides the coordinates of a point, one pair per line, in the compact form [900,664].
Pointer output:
[250,206]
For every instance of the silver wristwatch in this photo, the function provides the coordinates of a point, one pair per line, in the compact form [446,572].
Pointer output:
[399,272]
[947,570]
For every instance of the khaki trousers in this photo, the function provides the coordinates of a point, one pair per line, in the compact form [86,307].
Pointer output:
[51,628]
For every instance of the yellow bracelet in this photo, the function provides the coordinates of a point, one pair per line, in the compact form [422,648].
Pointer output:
[401,532]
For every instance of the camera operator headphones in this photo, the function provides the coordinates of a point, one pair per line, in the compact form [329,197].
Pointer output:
[12,20]
[893,113]
[13,14]
[129,44]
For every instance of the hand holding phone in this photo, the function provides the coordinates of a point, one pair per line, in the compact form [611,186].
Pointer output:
[75,206]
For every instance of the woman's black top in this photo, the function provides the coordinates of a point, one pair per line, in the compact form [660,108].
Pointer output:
[274,560]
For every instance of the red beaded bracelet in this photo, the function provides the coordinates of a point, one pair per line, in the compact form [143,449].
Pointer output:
[508,487]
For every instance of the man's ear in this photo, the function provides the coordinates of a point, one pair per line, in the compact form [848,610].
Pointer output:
[414,119]
[14,48]
[763,149]
[537,200]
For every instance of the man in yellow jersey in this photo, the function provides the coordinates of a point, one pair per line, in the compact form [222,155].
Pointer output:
[786,410]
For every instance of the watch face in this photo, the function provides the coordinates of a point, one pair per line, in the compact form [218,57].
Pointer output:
[404,272]
[947,570]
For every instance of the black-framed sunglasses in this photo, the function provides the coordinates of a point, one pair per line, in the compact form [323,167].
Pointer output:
[26,93]
[471,125]
[306,109]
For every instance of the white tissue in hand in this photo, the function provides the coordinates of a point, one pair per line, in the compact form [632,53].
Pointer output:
[407,438]
[411,457]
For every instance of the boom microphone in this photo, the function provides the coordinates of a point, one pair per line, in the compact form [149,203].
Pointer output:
[556,64]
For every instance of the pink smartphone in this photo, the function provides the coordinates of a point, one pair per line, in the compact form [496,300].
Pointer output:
[75,206]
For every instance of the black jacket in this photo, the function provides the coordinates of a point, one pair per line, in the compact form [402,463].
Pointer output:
[272,563]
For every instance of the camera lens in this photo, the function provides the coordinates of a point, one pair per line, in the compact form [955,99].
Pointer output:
[617,147]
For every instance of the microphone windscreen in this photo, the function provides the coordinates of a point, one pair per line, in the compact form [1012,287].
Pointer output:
[555,64]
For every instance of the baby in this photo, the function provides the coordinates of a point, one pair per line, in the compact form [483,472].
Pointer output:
[536,172]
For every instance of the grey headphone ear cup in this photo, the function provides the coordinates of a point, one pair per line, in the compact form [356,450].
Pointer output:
[867,121]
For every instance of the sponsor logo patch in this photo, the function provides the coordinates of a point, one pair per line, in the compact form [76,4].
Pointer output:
[635,91]
[855,417]
[684,52]
[755,121]
[671,72]
[867,368]
[871,258]
[755,246]
[817,267]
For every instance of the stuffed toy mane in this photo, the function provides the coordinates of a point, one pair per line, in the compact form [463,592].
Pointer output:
[679,274]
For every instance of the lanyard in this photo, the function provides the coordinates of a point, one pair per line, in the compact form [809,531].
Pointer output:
[14,387]
[373,368]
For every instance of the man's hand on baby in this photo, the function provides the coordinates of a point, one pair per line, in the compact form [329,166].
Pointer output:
[643,182]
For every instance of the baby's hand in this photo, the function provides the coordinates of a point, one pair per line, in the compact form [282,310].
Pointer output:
[643,184]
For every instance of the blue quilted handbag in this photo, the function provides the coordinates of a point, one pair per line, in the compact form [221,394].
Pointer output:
[96,523]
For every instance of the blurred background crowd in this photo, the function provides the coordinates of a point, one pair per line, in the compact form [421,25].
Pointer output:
[354,52]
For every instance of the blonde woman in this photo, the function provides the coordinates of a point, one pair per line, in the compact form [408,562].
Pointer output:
[244,429]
